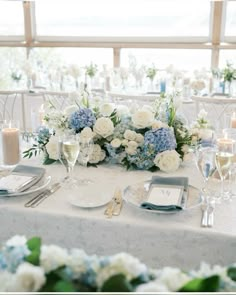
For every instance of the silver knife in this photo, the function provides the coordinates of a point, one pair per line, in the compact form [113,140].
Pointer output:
[43,195]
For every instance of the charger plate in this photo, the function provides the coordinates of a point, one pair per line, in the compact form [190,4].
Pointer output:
[40,185]
[137,193]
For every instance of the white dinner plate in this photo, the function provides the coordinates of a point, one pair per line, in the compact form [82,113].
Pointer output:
[136,194]
[40,185]
[90,196]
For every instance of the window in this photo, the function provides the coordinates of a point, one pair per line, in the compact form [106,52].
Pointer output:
[136,18]
[227,56]
[230,25]
[182,59]
[11,18]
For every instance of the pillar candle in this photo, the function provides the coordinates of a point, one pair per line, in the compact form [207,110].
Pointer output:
[233,121]
[11,146]
[225,144]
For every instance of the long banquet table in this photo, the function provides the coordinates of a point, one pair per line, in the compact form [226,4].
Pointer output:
[157,239]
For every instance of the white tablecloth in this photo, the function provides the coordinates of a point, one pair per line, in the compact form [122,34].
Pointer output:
[157,239]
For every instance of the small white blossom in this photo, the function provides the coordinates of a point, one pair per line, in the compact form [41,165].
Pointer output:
[107,109]
[139,138]
[131,148]
[124,142]
[97,155]
[158,124]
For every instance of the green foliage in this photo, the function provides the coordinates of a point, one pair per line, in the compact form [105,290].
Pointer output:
[117,283]
[229,73]
[34,245]
[151,73]
[231,272]
[91,70]
[209,284]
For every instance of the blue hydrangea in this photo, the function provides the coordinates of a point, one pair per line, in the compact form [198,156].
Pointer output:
[43,133]
[81,119]
[143,159]
[161,139]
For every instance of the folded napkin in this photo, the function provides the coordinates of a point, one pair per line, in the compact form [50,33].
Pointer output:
[166,193]
[20,179]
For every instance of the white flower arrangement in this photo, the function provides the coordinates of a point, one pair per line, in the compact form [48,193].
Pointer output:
[149,138]
[29,266]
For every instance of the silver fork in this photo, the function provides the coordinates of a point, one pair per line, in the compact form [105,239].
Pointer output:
[211,208]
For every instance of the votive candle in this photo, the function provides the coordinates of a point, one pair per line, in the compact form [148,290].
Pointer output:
[233,121]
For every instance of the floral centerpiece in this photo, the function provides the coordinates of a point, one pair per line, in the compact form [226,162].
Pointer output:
[30,266]
[150,138]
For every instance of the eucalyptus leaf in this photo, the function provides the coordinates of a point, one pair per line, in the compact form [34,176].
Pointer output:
[117,283]
[231,272]
[34,245]
[209,284]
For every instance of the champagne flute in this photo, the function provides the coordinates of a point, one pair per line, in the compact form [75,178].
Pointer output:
[68,153]
[224,160]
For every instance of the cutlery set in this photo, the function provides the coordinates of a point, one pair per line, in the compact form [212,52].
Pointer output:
[207,214]
[114,206]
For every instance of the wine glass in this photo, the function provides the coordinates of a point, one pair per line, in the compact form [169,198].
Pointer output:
[68,148]
[86,148]
[205,161]
[224,160]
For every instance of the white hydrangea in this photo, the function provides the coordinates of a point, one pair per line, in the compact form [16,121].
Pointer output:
[104,127]
[121,263]
[129,134]
[6,281]
[115,143]
[152,286]
[97,155]
[52,147]
[52,257]
[106,109]
[168,161]
[131,148]
[16,241]
[28,278]
[142,119]
[77,262]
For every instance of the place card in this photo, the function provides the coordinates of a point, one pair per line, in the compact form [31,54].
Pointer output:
[165,195]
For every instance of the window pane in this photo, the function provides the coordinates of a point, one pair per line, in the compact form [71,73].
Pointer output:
[11,18]
[230,26]
[183,59]
[227,56]
[123,18]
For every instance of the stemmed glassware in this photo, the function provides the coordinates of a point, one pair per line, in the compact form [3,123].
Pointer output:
[86,148]
[205,161]
[224,161]
[69,148]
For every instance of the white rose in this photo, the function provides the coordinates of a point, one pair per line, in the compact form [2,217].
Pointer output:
[142,119]
[122,110]
[97,155]
[202,114]
[115,143]
[124,142]
[86,133]
[52,148]
[107,109]
[158,124]
[131,148]
[139,138]
[168,161]
[130,135]
[52,257]
[104,127]
[28,278]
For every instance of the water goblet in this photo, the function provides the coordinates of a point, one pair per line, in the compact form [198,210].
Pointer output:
[68,149]
[205,161]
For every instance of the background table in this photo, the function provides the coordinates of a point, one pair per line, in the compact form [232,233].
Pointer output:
[157,239]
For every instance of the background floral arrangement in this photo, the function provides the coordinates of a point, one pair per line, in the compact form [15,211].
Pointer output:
[29,266]
[149,138]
